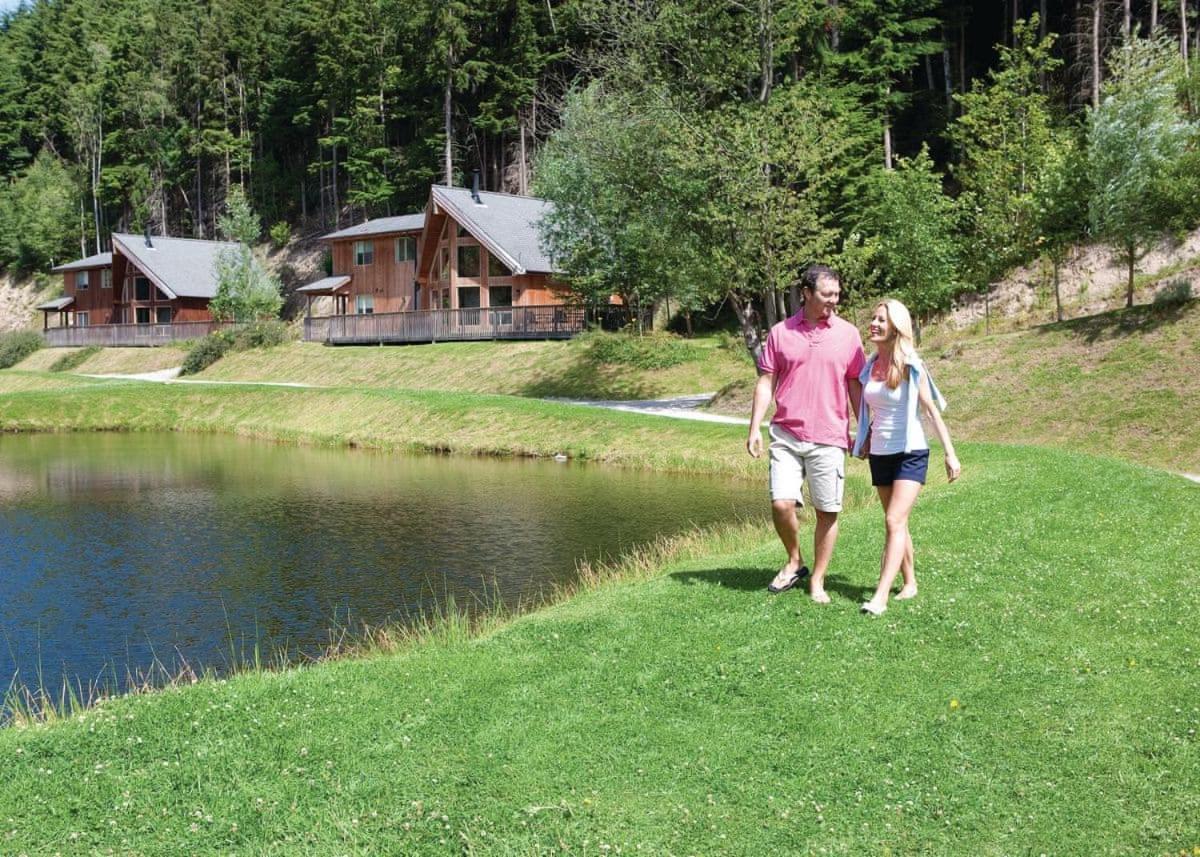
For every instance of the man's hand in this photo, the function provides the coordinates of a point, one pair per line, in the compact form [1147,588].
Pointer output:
[754,443]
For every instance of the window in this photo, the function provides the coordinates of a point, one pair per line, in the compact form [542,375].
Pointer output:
[445,299]
[81,281]
[81,319]
[162,315]
[500,297]
[406,249]
[106,278]
[143,315]
[364,305]
[462,231]
[364,252]
[444,264]
[159,296]
[468,261]
[496,267]
[141,292]
[468,298]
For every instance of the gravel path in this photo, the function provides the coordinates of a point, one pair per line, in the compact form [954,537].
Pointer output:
[679,407]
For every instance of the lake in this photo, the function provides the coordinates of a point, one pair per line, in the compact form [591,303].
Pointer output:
[120,549]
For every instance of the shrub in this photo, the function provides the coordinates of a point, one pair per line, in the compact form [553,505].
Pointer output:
[16,345]
[1174,293]
[207,351]
[650,351]
[281,233]
[261,334]
[74,359]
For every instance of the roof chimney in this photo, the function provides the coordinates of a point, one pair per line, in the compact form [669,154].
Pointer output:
[148,244]
[475,187]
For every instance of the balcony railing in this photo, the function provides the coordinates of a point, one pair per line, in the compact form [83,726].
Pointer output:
[555,321]
[130,334]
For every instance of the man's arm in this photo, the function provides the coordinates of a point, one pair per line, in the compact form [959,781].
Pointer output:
[854,390]
[764,392]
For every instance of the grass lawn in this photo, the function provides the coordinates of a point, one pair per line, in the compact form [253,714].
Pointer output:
[110,361]
[535,369]
[1042,695]
[401,420]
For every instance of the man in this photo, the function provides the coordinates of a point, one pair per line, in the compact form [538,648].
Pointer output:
[809,365]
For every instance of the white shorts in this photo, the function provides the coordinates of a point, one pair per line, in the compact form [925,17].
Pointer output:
[794,461]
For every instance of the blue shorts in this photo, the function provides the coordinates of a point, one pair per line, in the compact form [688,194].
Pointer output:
[911,466]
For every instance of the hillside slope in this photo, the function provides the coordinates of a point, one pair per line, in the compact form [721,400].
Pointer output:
[1120,383]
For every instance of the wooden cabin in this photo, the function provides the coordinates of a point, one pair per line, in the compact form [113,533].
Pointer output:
[145,280]
[374,267]
[481,249]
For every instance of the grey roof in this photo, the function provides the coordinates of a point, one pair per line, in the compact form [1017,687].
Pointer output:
[325,286]
[506,224]
[181,267]
[100,260]
[381,226]
[59,303]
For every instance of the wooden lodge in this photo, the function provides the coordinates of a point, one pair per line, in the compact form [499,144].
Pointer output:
[470,266]
[150,289]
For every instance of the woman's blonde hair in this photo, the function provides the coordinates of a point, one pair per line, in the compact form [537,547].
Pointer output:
[903,349]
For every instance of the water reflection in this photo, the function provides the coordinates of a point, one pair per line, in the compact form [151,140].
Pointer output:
[117,549]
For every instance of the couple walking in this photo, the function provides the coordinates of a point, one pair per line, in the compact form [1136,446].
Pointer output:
[811,365]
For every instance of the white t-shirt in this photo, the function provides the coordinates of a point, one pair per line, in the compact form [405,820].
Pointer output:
[889,418]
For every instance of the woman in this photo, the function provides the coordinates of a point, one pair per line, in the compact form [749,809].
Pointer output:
[890,434]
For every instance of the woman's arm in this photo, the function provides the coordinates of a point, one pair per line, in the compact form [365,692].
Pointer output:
[953,468]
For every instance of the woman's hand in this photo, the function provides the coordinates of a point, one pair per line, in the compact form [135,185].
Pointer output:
[865,452]
[953,468]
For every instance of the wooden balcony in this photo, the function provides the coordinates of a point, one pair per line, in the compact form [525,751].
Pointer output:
[130,334]
[552,321]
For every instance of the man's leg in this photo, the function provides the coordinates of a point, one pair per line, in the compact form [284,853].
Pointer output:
[787,525]
[824,539]
[826,469]
[787,478]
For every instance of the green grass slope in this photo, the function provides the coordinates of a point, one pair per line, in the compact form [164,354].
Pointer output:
[1122,383]
[1040,696]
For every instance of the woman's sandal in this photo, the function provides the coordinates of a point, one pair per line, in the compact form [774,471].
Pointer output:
[871,610]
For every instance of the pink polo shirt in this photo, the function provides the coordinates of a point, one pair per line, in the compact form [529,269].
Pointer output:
[811,364]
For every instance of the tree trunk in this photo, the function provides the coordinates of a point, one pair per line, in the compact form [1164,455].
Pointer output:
[1132,251]
[1096,5]
[1043,84]
[766,50]
[1183,31]
[835,32]
[768,302]
[447,104]
[522,174]
[1153,17]
[1057,294]
[746,320]
[887,144]
[1127,22]
[947,73]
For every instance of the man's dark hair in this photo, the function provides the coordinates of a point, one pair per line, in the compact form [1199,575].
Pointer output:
[814,273]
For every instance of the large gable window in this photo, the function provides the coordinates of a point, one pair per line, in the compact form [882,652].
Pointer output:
[468,260]
[364,252]
[496,267]
[141,291]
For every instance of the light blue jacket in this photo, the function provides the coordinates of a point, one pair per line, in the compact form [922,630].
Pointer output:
[912,424]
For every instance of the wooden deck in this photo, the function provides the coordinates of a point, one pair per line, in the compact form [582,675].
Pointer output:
[553,321]
[130,334]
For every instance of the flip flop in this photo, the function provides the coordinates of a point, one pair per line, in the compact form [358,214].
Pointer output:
[871,610]
[800,574]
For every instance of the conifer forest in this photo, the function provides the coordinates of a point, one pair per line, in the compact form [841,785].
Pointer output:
[699,149]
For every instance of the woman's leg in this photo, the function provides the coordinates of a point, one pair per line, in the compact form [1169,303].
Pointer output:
[909,589]
[898,546]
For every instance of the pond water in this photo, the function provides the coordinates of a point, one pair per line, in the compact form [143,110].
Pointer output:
[117,550]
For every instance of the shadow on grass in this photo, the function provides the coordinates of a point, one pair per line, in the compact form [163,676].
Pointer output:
[753,580]
[1121,322]
[587,379]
